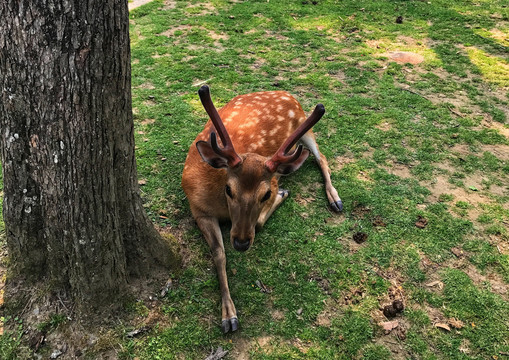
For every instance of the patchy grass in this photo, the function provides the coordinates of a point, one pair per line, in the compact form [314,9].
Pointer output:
[419,154]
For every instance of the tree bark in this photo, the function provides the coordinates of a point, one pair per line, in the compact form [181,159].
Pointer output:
[72,210]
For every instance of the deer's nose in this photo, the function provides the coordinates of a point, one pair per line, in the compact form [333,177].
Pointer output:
[241,245]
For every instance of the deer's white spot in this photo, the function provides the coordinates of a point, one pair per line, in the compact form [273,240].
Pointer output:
[291,113]
[274,131]
[252,147]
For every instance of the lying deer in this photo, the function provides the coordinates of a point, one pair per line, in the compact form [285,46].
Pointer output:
[238,177]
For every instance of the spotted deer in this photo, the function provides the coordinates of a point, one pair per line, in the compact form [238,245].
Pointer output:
[236,178]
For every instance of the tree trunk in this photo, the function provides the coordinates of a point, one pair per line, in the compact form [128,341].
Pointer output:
[72,210]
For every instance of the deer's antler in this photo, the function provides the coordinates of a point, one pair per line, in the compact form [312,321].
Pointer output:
[281,156]
[228,150]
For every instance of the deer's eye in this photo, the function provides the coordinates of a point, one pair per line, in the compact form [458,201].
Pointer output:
[228,191]
[266,196]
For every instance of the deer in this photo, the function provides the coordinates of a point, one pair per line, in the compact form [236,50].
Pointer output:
[235,177]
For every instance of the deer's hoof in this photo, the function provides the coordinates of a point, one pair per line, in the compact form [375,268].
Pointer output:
[284,193]
[230,325]
[337,206]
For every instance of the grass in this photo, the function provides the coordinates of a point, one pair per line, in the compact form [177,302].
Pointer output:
[405,142]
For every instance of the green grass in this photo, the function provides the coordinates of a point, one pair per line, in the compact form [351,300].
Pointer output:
[337,54]
[404,141]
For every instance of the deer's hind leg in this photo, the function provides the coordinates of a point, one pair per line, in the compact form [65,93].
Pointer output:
[332,195]
[277,199]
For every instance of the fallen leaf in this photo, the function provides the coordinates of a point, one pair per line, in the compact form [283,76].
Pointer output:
[437,283]
[142,182]
[389,325]
[443,326]
[137,332]
[218,354]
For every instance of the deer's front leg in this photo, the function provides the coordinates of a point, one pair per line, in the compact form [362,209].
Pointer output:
[210,229]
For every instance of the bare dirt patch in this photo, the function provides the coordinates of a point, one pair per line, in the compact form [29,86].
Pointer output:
[339,162]
[171,31]
[243,346]
[499,35]
[169,4]
[400,170]
[501,151]
[497,284]
[146,86]
[205,9]
[385,126]
[406,57]
[277,315]
[330,311]
[440,185]
[500,128]
[489,281]
[137,3]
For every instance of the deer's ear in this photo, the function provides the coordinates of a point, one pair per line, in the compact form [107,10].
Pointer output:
[210,156]
[288,168]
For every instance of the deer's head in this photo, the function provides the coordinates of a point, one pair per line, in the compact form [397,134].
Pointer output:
[251,184]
